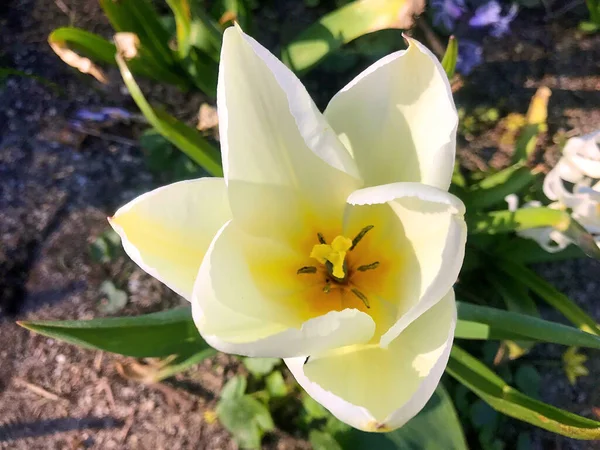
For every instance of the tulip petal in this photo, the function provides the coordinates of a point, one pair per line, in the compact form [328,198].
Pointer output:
[398,119]
[274,138]
[380,389]
[168,230]
[432,222]
[240,309]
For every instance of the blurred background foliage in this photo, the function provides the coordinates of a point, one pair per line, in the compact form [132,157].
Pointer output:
[491,375]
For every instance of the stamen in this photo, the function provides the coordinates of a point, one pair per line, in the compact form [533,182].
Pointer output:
[366,267]
[361,296]
[361,235]
[327,287]
[321,238]
[307,269]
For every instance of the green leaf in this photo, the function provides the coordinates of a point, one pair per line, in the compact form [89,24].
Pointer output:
[185,138]
[246,419]
[314,410]
[475,375]
[494,188]
[435,427]
[482,322]
[139,17]
[323,441]
[339,27]
[498,222]
[200,66]
[276,384]
[88,44]
[100,50]
[183,22]
[517,299]
[234,388]
[550,295]
[206,35]
[259,367]
[527,141]
[117,299]
[527,251]
[528,380]
[450,57]
[152,335]
[184,362]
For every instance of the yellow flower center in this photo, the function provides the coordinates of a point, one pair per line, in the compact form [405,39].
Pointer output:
[332,258]
[335,254]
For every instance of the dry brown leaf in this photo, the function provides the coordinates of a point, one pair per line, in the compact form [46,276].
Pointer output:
[81,63]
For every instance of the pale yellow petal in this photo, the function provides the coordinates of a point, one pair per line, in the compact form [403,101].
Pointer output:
[380,389]
[167,231]
[281,159]
[398,119]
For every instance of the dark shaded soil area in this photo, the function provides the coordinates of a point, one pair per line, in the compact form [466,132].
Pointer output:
[55,194]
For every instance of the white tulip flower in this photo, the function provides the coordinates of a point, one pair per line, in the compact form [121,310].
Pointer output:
[331,241]
[572,184]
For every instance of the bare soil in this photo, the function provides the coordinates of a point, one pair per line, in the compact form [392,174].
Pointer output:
[55,196]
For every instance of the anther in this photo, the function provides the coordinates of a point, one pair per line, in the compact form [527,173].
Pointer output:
[366,267]
[307,269]
[360,235]
[321,238]
[361,296]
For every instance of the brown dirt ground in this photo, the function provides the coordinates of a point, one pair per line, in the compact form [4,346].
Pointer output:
[54,198]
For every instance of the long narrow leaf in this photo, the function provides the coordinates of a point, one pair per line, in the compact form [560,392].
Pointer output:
[494,188]
[550,295]
[339,27]
[498,323]
[86,43]
[492,389]
[99,50]
[499,222]
[152,335]
[179,134]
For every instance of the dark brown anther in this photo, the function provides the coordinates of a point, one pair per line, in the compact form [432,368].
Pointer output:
[361,296]
[307,269]
[366,267]
[360,235]
[321,238]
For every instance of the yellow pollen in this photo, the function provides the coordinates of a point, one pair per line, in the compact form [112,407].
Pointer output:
[334,253]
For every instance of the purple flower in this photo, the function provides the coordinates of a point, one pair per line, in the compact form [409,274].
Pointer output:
[470,55]
[446,12]
[103,114]
[490,14]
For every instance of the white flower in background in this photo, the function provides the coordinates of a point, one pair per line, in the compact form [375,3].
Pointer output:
[331,241]
[572,184]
